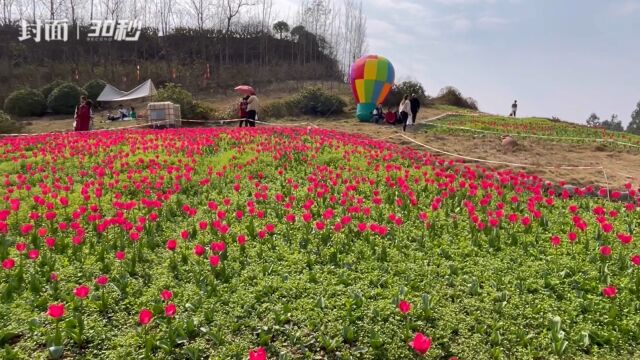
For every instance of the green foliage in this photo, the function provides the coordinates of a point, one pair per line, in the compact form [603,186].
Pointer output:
[317,102]
[48,89]
[593,120]
[613,125]
[94,88]
[406,88]
[65,98]
[313,101]
[190,109]
[8,125]
[281,27]
[25,102]
[452,96]
[634,125]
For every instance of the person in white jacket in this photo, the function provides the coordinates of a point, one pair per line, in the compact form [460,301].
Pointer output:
[405,111]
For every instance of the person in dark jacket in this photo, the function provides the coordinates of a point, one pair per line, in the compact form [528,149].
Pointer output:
[415,107]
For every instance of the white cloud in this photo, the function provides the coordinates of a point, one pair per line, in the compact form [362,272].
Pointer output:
[487,21]
[627,8]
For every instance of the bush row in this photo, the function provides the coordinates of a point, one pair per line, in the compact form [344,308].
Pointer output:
[313,101]
[59,96]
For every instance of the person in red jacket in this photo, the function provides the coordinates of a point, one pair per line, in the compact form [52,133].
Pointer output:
[243,110]
[390,117]
[83,117]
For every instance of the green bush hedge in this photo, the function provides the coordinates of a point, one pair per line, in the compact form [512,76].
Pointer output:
[25,102]
[65,98]
[189,108]
[312,101]
[94,88]
[8,125]
[48,89]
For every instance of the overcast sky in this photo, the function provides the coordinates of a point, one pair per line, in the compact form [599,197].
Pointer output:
[565,58]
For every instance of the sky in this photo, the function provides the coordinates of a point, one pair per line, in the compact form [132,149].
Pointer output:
[564,58]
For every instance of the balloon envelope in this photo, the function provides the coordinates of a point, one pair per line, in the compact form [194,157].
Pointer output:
[371,78]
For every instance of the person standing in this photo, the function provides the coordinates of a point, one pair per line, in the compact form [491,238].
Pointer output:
[514,108]
[415,107]
[83,117]
[253,105]
[405,108]
[243,111]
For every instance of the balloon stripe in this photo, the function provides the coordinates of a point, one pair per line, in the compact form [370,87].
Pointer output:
[355,91]
[369,86]
[383,70]
[360,90]
[370,70]
[378,86]
[383,94]
[391,74]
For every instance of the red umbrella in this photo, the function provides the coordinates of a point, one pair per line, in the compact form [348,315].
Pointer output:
[245,89]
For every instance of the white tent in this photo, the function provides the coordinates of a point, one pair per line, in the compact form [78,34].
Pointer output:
[111,93]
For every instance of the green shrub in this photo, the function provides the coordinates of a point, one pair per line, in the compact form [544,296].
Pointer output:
[65,98]
[94,88]
[406,88]
[279,109]
[452,96]
[48,89]
[189,108]
[200,112]
[317,102]
[25,102]
[8,125]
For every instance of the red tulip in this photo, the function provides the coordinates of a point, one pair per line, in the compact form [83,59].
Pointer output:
[609,291]
[53,277]
[404,306]
[120,255]
[555,240]
[605,251]
[199,250]
[56,311]
[21,247]
[102,280]
[214,260]
[241,240]
[420,344]
[81,291]
[8,264]
[171,245]
[170,310]
[166,295]
[34,254]
[258,354]
[145,316]
[635,259]
[218,246]
[50,242]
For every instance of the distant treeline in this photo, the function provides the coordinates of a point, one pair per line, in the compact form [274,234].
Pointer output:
[199,59]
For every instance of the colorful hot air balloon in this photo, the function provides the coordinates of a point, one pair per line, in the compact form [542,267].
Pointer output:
[371,79]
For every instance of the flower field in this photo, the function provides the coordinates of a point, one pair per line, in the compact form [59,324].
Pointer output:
[553,130]
[302,244]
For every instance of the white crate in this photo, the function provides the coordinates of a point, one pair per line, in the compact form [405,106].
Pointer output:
[166,112]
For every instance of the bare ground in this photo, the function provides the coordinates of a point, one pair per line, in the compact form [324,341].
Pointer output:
[621,166]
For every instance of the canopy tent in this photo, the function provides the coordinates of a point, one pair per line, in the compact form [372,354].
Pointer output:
[111,93]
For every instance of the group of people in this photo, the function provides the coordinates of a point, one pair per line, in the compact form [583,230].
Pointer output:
[123,114]
[248,110]
[408,109]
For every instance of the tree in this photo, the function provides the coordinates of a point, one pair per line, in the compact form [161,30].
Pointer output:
[281,27]
[634,125]
[593,120]
[405,88]
[614,124]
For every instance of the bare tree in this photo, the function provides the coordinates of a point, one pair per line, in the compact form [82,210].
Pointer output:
[231,9]
[53,6]
[7,8]
[200,10]
[164,13]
